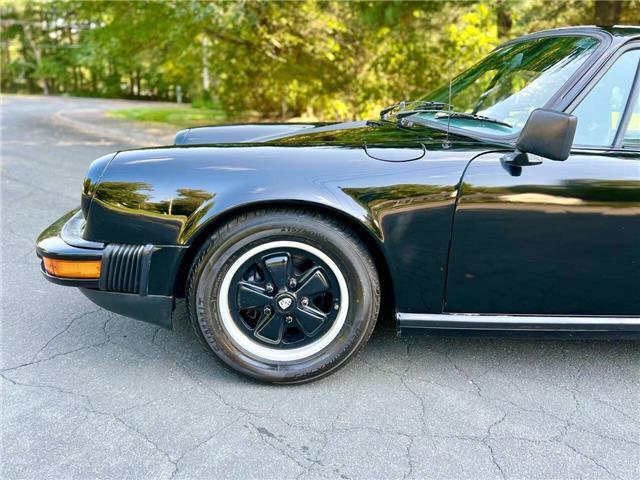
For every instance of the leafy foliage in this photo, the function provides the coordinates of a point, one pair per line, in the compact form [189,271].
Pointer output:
[304,59]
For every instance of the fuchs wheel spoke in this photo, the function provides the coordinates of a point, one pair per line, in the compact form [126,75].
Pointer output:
[271,328]
[314,283]
[279,268]
[289,305]
[310,319]
[251,296]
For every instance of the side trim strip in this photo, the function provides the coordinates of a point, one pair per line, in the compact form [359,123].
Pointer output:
[410,321]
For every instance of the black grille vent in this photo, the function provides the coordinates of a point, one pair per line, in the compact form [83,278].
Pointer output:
[125,268]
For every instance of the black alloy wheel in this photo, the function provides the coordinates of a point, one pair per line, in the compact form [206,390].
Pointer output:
[284,296]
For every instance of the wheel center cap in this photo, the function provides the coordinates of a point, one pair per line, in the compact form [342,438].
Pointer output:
[285,302]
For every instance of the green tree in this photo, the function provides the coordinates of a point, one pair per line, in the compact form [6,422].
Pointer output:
[268,59]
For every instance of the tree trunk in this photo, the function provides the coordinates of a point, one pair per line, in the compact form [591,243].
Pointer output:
[206,79]
[37,53]
[94,83]
[607,13]
[76,83]
[504,19]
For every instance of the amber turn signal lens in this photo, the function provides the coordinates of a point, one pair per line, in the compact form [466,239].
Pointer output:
[72,268]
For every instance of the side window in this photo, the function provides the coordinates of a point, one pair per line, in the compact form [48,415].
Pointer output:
[600,112]
[631,137]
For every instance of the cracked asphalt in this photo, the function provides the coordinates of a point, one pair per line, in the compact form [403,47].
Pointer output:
[90,394]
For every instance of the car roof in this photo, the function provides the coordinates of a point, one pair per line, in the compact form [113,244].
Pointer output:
[623,30]
[618,33]
[616,30]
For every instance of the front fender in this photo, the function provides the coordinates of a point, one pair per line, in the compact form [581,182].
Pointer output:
[250,195]
[169,196]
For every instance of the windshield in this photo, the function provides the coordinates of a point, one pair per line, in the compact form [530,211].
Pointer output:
[509,83]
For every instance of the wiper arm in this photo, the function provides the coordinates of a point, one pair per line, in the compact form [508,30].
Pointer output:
[416,105]
[408,113]
[472,116]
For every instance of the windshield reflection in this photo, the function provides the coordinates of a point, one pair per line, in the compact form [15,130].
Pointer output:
[511,82]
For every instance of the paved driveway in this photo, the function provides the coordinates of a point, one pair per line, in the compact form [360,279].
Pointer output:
[90,394]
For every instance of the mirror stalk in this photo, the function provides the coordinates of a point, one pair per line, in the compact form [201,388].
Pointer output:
[519,158]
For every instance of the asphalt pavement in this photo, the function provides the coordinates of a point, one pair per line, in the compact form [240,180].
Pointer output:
[90,394]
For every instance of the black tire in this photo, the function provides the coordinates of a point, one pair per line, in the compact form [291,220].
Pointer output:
[225,249]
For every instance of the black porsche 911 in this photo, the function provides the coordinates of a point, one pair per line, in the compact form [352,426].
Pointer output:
[508,199]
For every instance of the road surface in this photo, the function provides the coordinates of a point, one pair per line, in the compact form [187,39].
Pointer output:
[90,394]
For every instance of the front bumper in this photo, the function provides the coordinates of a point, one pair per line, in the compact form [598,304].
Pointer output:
[133,280]
[63,241]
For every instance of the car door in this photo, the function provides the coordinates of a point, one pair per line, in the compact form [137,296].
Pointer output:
[562,238]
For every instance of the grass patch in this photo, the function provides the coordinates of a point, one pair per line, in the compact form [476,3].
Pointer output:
[178,116]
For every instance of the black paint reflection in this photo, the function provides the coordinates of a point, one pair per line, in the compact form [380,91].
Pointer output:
[132,207]
[415,220]
[549,242]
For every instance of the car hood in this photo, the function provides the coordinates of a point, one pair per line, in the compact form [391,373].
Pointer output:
[363,133]
[238,133]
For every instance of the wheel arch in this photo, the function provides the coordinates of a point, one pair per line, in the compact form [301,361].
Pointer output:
[371,240]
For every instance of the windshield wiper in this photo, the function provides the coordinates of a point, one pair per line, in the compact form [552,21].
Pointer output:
[408,113]
[415,106]
[472,116]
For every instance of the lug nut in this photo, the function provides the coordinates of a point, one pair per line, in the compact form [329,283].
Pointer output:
[267,310]
[269,288]
[293,282]
[288,319]
[304,301]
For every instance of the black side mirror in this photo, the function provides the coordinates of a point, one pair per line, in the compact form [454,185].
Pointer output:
[548,134]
